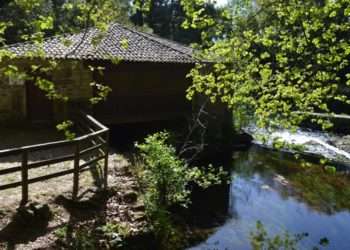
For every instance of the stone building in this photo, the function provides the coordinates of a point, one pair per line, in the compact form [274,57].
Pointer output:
[149,82]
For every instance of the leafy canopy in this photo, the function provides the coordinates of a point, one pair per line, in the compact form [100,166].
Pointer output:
[280,60]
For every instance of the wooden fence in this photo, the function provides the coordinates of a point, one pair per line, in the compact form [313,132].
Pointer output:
[93,142]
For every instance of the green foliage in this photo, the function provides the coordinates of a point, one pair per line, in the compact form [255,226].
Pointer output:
[114,234]
[50,89]
[37,18]
[166,177]
[32,21]
[102,92]
[241,118]
[280,58]
[61,232]
[83,239]
[165,19]
[66,127]
[79,238]
[319,186]
[107,236]
[166,181]
[330,169]
[260,240]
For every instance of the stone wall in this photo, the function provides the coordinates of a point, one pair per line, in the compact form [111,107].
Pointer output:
[12,102]
[72,79]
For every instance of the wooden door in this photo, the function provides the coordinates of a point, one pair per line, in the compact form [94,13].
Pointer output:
[39,106]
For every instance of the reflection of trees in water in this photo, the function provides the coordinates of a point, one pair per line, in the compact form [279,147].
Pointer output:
[328,193]
[323,191]
[232,205]
[260,239]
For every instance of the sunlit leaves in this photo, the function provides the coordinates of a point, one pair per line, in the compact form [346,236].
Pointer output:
[102,92]
[39,19]
[66,127]
[124,43]
[281,58]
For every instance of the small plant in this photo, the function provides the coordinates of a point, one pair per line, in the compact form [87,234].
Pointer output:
[83,239]
[114,234]
[79,238]
[60,233]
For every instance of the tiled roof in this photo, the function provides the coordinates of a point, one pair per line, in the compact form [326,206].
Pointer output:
[119,42]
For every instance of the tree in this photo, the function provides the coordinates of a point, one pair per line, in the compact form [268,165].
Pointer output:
[281,61]
[165,18]
[25,18]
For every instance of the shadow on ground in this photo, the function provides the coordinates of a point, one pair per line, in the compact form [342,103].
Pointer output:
[90,204]
[31,222]
[26,225]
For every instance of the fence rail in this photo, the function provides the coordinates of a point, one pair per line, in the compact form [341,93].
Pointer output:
[94,142]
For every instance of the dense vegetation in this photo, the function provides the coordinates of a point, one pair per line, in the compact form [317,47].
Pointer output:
[281,58]
[275,60]
[271,59]
[166,181]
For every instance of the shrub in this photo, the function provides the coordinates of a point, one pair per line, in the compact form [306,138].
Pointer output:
[165,177]
[113,234]
[166,181]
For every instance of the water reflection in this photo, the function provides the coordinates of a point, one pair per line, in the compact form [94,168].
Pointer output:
[275,189]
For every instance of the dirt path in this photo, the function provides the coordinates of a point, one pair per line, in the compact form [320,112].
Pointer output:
[53,220]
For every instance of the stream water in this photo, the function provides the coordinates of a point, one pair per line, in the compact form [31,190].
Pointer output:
[312,142]
[284,195]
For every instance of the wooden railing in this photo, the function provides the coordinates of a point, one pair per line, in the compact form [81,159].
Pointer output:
[93,142]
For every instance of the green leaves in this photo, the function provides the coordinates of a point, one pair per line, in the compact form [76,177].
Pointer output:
[45,23]
[124,43]
[265,74]
[166,178]
[102,92]
[66,127]
[280,58]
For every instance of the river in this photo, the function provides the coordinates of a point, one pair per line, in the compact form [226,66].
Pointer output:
[286,195]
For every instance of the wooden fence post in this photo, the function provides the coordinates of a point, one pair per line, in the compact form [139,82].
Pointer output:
[24,172]
[105,171]
[76,171]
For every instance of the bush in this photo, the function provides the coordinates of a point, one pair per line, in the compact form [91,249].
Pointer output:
[166,181]
[165,177]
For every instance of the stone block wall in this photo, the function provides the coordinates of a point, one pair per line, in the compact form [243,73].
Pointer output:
[72,79]
[12,102]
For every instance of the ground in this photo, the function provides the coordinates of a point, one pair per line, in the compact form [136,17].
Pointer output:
[51,218]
